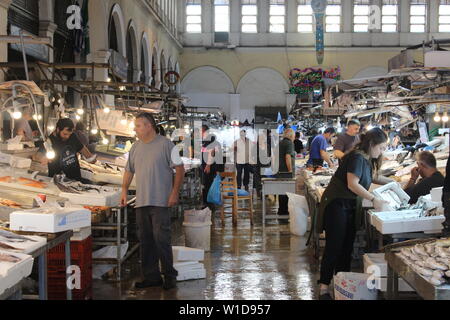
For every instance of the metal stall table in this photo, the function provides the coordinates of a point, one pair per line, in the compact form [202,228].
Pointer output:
[41,255]
[275,187]
[119,224]
[397,268]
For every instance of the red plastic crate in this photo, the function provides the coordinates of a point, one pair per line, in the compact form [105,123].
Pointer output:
[81,255]
[79,250]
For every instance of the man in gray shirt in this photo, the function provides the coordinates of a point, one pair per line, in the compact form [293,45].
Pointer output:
[151,161]
[346,142]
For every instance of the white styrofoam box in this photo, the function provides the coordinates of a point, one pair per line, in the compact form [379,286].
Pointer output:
[20,163]
[11,146]
[28,246]
[188,266]
[394,215]
[52,222]
[187,254]
[13,273]
[437,59]
[403,286]
[371,259]
[436,194]
[405,221]
[81,234]
[392,193]
[192,275]
[110,197]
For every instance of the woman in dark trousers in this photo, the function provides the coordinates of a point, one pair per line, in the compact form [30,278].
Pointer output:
[209,167]
[341,205]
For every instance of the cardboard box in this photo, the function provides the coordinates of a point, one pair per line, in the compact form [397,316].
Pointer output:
[353,286]
[55,221]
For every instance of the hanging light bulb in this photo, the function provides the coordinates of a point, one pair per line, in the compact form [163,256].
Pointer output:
[445,117]
[51,128]
[105,141]
[77,117]
[46,101]
[437,117]
[94,131]
[35,117]
[61,100]
[80,111]
[123,122]
[50,152]
[132,125]
[106,110]
[17,114]
[108,80]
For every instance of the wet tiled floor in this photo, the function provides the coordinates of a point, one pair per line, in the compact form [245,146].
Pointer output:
[245,262]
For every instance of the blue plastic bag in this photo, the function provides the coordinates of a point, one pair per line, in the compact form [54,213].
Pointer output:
[214,195]
[241,193]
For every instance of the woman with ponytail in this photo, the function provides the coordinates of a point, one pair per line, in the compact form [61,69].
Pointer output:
[341,205]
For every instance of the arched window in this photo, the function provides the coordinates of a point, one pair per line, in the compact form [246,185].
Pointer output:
[154,67]
[163,69]
[130,57]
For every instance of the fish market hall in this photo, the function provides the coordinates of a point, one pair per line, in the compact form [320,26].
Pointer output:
[224,150]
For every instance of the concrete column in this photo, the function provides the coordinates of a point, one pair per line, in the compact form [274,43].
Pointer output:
[207,22]
[404,16]
[263,16]
[99,57]
[433,17]
[235,16]
[347,16]
[291,13]
[235,22]
[4,5]
[378,3]
[46,10]
[47,29]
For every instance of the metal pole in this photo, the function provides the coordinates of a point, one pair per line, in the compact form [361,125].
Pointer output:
[25,63]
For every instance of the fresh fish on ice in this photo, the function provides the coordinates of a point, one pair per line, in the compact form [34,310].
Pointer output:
[8,258]
[8,247]
[11,235]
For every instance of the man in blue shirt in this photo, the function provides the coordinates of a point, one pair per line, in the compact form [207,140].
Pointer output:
[319,145]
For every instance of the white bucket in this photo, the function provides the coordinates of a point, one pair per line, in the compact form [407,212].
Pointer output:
[198,235]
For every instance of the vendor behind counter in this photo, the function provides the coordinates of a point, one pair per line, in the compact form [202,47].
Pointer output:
[431,177]
[66,146]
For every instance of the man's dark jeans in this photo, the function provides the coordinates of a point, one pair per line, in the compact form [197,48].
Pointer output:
[153,224]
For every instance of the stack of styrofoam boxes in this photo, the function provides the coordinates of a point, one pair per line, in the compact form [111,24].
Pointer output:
[187,263]
[378,260]
[13,273]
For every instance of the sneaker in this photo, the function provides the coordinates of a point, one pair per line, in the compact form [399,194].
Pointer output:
[325,296]
[170,283]
[148,284]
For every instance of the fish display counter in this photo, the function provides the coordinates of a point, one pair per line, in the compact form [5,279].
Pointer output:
[85,194]
[16,262]
[423,264]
